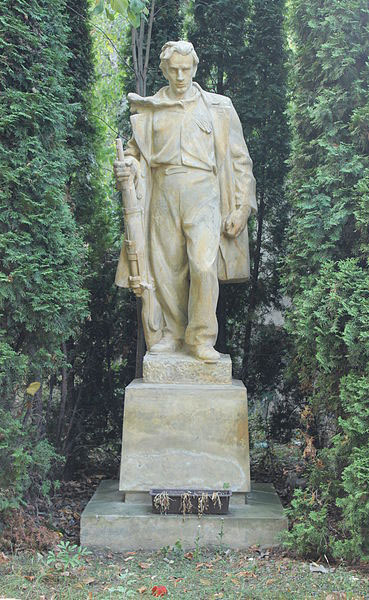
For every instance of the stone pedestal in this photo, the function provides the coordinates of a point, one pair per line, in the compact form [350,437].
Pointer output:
[182,368]
[185,426]
[185,436]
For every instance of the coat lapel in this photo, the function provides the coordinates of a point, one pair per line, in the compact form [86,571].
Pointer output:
[142,133]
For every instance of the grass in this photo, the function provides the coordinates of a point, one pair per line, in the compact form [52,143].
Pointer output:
[196,575]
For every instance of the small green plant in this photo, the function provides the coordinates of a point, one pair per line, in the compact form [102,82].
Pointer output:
[165,550]
[221,534]
[178,549]
[127,581]
[197,551]
[65,557]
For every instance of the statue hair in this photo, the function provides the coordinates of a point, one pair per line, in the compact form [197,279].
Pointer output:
[182,47]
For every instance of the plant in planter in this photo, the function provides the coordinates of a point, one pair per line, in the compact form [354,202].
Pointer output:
[200,502]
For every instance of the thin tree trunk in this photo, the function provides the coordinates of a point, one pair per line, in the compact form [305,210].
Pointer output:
[140,66]
[52,383]
[254,290]
[64,395]
[221,344]
[140,346]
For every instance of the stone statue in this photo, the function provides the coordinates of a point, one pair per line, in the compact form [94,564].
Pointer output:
[190,169]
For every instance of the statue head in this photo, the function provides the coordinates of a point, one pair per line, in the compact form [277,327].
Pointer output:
[178,62]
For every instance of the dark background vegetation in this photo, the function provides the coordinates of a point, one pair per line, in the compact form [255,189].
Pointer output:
[298,332]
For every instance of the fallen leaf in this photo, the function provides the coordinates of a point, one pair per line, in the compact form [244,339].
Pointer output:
[315,568]
[189,555]
[159,590]
[142,590]
[219,595]
[208,566]
[29,577]
[245,574]
[235,582]
[144,565]
[88,580]
[3,558]
[128,558]
[33,388]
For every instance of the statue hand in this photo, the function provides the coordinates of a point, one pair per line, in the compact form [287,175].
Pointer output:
[124,169]
[236,221]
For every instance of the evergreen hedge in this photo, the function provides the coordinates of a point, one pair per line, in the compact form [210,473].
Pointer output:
[42,299]
[326,270]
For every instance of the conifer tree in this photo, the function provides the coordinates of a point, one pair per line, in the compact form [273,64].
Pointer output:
[41,252]
[42,298]
[326,269]
[92,413]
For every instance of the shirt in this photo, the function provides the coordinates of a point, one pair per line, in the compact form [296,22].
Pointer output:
[183,134]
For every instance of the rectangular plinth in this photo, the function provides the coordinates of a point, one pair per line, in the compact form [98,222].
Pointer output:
[185,436]
[182,368]
[109,523]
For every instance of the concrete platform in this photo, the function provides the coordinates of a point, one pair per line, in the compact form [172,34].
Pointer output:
[108,522]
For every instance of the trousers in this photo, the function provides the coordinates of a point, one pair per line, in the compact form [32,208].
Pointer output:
[184,242]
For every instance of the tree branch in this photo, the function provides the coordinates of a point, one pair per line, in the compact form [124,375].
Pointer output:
[148,40]
[107,37]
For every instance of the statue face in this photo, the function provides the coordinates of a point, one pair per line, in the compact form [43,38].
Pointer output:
[179,72]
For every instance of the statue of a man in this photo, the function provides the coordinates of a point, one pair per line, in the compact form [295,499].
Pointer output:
[193,174]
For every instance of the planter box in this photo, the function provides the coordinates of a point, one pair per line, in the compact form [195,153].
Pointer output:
[195,502]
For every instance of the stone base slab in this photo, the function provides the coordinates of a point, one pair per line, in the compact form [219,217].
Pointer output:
[183,368]
[109,523]
[185,436]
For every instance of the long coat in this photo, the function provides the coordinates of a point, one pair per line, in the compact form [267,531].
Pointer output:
[234,171]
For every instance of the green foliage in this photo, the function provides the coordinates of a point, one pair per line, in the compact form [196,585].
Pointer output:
[102,355]
[326,269]
[25,464]
[65,557]
[41,252]
[310,533]
[132,9]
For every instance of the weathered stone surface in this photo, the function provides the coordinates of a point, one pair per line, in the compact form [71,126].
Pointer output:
[183,368]
[182,435]
[108,522]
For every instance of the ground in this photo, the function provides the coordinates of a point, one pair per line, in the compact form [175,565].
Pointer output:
[28,570]
[198,574]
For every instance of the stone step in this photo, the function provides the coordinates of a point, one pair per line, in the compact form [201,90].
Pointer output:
[109,523]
